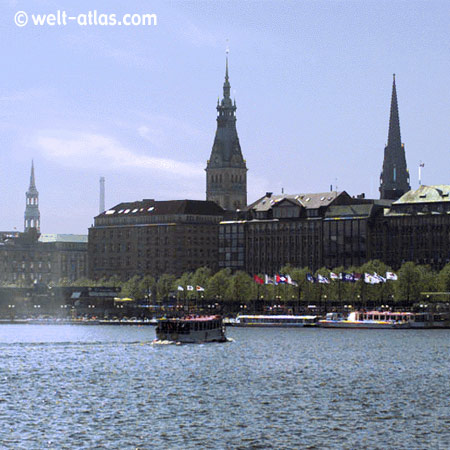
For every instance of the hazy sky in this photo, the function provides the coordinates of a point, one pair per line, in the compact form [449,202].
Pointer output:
[312,81]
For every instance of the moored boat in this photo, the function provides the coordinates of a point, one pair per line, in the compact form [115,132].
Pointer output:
[191,329]
[275,321]
[369,319]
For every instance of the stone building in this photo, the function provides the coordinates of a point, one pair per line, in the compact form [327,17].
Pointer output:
[278,230]
[416,228]
[154,237]
[28,258]
[226,170]
[395,176]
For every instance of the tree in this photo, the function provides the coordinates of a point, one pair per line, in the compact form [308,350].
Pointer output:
[239,288]
[407,288]
[164,286]
[217,285]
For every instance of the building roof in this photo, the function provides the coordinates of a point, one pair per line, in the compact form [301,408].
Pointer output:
[347,211]
[75,238]
[426,194]
[152,207]
[308,201]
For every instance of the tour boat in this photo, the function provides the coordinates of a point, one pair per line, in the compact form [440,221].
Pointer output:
[190,329]
[276,321]
[370,319]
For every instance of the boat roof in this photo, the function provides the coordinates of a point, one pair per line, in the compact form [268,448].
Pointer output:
[192,318]
[273,316]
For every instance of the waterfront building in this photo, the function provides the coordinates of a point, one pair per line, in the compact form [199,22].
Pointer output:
[226,169]
[394,179]
[278,230]
[154,237]
[28,258]
[415,228]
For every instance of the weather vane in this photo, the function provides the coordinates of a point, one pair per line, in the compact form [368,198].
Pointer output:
[227,50]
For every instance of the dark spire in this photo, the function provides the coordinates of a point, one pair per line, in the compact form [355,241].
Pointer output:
[395,175]
[394,121]
[226,84]
[226,168]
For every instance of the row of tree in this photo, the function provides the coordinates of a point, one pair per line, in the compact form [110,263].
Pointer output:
[416,283]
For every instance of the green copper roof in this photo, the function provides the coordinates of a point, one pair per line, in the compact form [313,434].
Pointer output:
[426,194]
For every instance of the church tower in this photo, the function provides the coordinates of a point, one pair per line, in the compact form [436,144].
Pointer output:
[32,216]
[226,171]
[394,179]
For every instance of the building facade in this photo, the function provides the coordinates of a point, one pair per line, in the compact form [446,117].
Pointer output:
[28,258]
[154,237]
[226,170]
[416,228]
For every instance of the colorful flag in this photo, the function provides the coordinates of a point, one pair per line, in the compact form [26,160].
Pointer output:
[357,276]
[379,278]
[189,287]
[346,277]
[268,280]
[368,278]
[291,281]
[322,279]
[391,276]
[280,279]
[334,276]
[310,278]
[199,288]
[180,288]
[258,280]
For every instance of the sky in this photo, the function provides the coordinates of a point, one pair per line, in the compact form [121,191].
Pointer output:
[312,82]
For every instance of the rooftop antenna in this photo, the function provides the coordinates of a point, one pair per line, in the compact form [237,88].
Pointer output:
[421,164]
[102,195]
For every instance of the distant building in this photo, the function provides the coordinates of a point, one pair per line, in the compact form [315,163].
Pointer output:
[29,257]
[226,170]
[395,176]
[26,259]
[154,237]
[416,228]
[279,230]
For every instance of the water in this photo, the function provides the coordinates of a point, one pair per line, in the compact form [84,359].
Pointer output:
[66,387]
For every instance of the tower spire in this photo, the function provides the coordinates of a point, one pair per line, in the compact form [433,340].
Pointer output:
[226,171]
[394,121]
[32,180]
[32,215]
[395,176]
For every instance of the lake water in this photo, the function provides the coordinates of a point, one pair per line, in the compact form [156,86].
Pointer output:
[66,387]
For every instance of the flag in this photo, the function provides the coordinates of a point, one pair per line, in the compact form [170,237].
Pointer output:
[334,276]
[268,280]
[379,278]
[258,280]
[310,278]
[280,279]
[391,276]
[368,278]
[422,164]
[322,279]
[357,276]
[189,287]
[291,281]
[347,277]
[180,288]
[199,288]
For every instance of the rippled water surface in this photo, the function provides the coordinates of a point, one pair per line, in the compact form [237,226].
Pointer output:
[108,387]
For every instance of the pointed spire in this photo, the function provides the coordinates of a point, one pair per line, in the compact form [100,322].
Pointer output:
[226,85]
[394,121]
[32,180]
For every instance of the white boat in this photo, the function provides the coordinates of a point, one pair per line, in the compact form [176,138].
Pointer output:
[191,329]
[369,319]
[275,321]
